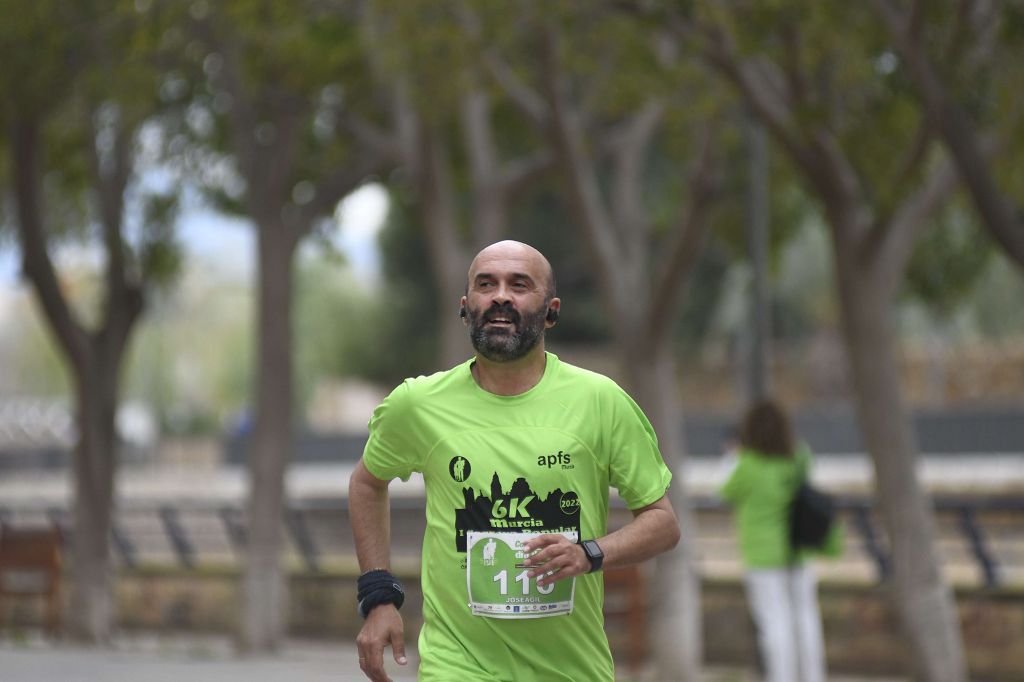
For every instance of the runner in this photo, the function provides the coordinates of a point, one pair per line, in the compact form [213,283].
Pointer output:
[517,451]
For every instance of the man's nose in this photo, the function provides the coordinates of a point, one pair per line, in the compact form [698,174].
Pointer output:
[502,295]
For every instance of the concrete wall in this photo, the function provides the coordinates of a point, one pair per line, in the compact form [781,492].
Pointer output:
[860,627]
[862,632]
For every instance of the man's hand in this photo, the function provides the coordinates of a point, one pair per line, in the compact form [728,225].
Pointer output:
[558,558]
[383,626]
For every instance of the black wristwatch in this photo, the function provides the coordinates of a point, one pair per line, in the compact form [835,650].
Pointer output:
[594,554]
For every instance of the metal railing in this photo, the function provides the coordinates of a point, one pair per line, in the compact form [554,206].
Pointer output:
[188,533]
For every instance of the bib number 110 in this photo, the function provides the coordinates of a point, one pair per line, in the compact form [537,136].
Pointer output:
[502,579]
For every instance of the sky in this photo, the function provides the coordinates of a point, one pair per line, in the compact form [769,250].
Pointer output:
[209,236]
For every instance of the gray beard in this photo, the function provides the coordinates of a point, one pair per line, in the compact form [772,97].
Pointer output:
[502,346]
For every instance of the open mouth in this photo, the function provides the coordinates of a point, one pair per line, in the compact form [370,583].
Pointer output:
[500,321]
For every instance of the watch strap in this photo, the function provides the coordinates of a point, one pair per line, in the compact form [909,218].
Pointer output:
[594,554]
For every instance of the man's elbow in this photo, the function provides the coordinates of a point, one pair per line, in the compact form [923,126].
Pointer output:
[672,534]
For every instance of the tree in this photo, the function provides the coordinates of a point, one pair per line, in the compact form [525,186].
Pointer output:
[285,86]
[983,62]
[641,242]
[868,155]
[462,201]
[74,115]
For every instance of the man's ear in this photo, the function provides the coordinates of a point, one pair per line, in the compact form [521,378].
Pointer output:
[551,318]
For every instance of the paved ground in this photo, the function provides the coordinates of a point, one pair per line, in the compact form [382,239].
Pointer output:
[194,659]
[183,659]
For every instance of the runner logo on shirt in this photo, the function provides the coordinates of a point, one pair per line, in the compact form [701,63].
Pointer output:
[459,468]
[519,509]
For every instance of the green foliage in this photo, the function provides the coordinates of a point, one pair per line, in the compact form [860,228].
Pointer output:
[292,69]
[994,302]
[835,66]
[948,263]
[40,48]
[36,366]
[88,78]
[407,342]
[540,219]
[160,255]
[191,358]
[426,47]
[706,288]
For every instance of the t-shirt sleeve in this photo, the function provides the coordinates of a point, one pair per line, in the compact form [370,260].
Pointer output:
[636,467]
[390,450]
[735,486]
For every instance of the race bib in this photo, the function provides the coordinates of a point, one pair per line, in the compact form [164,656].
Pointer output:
[499,585]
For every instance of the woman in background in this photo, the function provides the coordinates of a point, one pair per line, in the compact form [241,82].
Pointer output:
[780,584]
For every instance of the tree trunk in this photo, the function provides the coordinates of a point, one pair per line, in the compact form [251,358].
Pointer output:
[92,607]
[447,257]
[923,600]
[95,363]
[870,257]
[264,623]
[676,622]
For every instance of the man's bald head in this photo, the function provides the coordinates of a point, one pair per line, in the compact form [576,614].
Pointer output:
[510,254]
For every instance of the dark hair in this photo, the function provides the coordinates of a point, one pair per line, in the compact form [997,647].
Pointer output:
[552,288]
[766,429]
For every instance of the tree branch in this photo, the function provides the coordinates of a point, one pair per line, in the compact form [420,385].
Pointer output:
[26,153]
[760,89]
[631,150]
[230,79]
[584,193]
[912,158]
[960,136]
[894,243]
[518,174]
[109,185]
[796,79]
[529,102]
[337,185]
[681,255]
[371,136]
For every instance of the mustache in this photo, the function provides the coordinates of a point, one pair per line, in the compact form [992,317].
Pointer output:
[504,310]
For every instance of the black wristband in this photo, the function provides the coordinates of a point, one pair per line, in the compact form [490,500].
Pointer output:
[378,587]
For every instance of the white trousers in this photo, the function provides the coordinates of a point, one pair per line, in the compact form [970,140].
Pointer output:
[784,604]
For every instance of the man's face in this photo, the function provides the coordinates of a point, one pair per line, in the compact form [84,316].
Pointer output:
[507,301]
[501,333]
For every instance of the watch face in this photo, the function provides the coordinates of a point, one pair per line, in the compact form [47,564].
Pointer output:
[594,554]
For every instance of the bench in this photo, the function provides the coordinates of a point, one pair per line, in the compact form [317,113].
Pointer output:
[30,563]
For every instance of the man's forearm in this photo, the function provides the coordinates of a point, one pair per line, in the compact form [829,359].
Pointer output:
[370,516]
[653,530]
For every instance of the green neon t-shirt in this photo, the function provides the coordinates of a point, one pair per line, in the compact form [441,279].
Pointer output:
[761,488]
[542,461]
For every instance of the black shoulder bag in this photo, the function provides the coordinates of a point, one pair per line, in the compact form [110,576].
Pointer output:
[811,515]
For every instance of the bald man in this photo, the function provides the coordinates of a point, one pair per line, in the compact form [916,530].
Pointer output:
[518,451]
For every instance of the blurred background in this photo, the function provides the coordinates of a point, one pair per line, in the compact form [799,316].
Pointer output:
[228,229]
